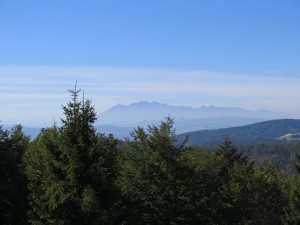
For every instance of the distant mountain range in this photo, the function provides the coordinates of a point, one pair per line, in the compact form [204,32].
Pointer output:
[120,120]
[186,118]
[144,112]
[284,130]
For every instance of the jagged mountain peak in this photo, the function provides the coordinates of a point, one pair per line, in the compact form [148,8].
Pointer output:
[144,112]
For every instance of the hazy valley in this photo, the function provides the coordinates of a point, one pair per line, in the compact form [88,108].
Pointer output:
[120,120]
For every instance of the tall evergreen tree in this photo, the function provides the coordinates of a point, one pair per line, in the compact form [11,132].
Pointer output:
[154,176]
[75,185]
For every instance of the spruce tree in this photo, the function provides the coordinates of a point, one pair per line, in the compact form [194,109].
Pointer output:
[231,153]
[154,177]
[75,185]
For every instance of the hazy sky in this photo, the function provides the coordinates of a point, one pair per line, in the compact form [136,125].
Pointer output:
[201,52]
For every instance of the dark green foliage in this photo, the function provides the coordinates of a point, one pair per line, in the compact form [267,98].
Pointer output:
[169,184]
[40,170]
[236,192]
[297,163]
[154,177]
[228,151]
[13,182]
[292,212]
[268,195]
[71,170]
[281,155]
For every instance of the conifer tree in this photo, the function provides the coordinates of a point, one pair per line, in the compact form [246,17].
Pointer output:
[231,153]
[75,184]
[153,176]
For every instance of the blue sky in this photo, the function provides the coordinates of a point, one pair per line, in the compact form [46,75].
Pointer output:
[204,52]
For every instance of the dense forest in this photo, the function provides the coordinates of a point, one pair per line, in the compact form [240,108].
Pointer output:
[272,131]
[70,174]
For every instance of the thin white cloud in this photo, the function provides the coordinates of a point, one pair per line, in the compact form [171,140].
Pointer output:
[28,90]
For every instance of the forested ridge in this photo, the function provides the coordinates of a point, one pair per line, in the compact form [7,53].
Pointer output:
[71,174]
[261,132]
